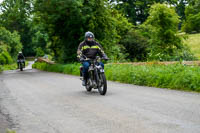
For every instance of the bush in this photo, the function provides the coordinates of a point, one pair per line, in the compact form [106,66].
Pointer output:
[39,52]
[11,40]
[2,60]
[192,13]
[1,68]
[192,24]
[135,45]
[165,44]
[67,69]
[8,58]
[5,58]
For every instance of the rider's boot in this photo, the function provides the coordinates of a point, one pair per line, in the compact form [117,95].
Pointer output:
[84,82]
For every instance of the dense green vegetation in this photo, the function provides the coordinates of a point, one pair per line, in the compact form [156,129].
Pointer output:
[10,45]
[128,30]
[176,76]
[1,68]
[10,67]
[192,21]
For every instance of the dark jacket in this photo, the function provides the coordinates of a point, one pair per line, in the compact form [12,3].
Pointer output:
[20,56]
[90,50]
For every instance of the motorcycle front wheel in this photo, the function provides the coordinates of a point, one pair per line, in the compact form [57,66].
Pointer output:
[88,86]
[21,67]
[103,88]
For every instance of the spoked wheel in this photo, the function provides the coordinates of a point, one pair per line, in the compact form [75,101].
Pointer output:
[88,86]
[103,85]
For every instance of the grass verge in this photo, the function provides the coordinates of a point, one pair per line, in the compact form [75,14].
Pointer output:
[175,76]
[193,42]
[9,67]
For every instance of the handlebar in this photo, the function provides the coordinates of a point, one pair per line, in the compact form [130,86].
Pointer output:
[97,58]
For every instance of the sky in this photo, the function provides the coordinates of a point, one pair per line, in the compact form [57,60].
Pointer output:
[1,1]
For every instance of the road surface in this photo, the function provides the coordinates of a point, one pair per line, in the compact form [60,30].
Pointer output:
[34,101]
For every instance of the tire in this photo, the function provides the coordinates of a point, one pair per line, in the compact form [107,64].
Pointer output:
[21,67]
[88,87]
[103,89]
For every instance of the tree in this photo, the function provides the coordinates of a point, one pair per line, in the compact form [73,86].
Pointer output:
[135,45]
[192,23]
[16,16]
[67,21]
[9,42]
[163,22]
[138,10]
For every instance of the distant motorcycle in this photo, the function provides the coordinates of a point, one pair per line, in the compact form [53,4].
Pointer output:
[96,77]
[21,64]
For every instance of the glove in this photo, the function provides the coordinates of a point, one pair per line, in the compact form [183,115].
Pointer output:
[81,59]
[105,57]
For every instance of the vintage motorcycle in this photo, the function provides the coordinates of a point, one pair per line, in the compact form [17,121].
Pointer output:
[96,77]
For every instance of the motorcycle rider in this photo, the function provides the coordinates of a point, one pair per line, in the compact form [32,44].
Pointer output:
[20,57]
[89,48]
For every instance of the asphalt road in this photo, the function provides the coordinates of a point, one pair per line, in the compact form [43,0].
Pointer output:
[34,101]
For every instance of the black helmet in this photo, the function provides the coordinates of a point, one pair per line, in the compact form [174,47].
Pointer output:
[89,35]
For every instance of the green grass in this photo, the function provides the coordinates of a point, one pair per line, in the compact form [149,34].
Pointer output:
[174,76]
[10,131]
[9,67]
[193,42]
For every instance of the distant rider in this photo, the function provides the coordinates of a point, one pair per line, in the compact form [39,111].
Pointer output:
[89,48]
[20,57]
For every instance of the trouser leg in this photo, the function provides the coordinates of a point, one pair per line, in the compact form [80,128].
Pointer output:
[85,69]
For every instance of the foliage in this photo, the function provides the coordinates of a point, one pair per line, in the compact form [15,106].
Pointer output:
[138,10]
[135,45]
[5,58]
[175,76]
[192,23]
[40,38]
[16,16]
[9,67]
[10,42]
[165,43]
[1,68]
[67,69]
[39,52]
[192,12]
[2,60]
[56,27]
[171,76]
[67,21]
